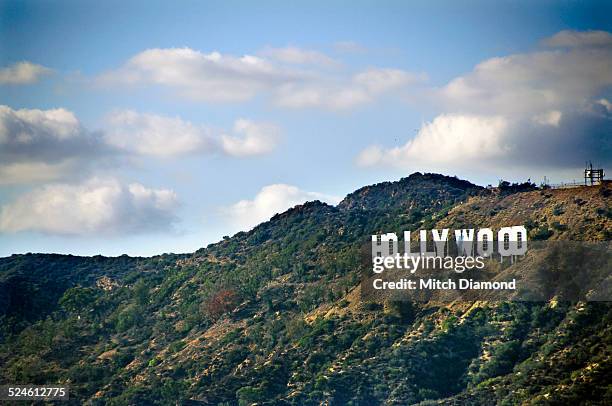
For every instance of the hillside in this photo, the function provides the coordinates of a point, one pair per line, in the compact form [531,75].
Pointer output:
[275,316]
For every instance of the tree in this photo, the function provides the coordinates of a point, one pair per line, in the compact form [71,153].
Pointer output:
[77,298]
[141,292]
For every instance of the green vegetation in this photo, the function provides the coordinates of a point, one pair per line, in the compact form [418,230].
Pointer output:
[272,317]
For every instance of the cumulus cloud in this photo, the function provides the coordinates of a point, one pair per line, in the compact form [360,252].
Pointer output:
[328,97]
[271,200]
[22,73]
[530,83]
[447,139]
[97,206]
[252,139]
[453,141]
[150,134]
[571,38]
[53,141]
[376,81]
[278,74]
[44,145]
[549,118]
[364,87]
[162,136]
[28,172]
[201,76]
[28,126]
[543,108]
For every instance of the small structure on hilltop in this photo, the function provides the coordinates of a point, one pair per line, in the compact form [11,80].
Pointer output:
[593,176]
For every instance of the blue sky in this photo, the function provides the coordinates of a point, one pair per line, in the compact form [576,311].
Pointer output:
[341,94]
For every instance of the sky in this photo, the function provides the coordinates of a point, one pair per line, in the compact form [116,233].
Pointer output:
[133,127]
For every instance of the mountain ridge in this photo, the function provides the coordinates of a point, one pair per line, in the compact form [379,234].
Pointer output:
[274,315]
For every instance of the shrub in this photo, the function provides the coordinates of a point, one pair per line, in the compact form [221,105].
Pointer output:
[128,317]
[558,226]
[220,303]
[557,211]
[542,233]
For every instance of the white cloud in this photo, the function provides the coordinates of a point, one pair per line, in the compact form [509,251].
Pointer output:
[162,136]
[39,145]
[605,104]
[28,126]
[449,139]
[371,156]
[363,87]
[98,206]
[150,134]
[376,80]
[252,139]
[531,83]
[271,200]
[22,73]
[44,145]
[549,118]
[27,172]
[571,38]
[200,76]
[332,98]
[278,74]
[458,141]
[299,56]
[538,109]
